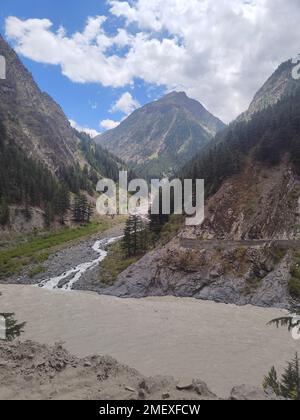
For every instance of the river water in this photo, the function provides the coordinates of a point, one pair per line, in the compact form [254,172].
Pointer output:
[223,345]
[67,279]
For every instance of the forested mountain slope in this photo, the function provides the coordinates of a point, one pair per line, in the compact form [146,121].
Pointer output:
[42,158]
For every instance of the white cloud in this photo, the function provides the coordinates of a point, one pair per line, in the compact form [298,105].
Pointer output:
[90,131]
[109,124]
[126,104]
[219,52]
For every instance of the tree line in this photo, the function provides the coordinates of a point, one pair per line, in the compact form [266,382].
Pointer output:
[269,135]
[26,181]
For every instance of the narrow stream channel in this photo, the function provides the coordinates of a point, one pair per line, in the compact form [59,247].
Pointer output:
[66,280]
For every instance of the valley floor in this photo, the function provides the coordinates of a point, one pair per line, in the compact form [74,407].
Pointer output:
[41,263]
[224,345]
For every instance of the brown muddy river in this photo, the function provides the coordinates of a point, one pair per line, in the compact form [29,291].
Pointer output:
[224,345]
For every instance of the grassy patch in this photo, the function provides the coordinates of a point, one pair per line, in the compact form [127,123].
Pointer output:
[171,229]
[294,287]
[36,250]
[278,253]
[294,282]
[188,260]
[115,263]
[36,270]
[252,286]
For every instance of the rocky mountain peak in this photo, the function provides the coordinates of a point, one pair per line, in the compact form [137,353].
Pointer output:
[160,137]
[278,85]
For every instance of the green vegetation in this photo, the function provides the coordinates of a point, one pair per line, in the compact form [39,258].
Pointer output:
[184,260]
[136,237]
[82,209]
[22,180]
[28,182]
[115,263]
[294,282]
[294,287]
[13,329]
[170,229]
[289,386]
[4,212]
[268,136]
[101,161]
[252,286]
[37,249]
[36,270]
[278,253]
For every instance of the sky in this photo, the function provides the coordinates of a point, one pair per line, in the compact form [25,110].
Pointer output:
[102,59]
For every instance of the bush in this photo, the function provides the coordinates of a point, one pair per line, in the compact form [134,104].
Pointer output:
[294,287]
[294,282]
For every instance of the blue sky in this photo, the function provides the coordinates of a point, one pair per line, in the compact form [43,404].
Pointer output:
[101,59]
[87,103]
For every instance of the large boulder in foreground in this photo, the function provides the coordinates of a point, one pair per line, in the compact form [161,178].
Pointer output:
[32,371]
[249,393]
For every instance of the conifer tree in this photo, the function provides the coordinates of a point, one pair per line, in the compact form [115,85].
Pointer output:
[4,212]
[62,202]
[48,215]
[135,238]
[271,381]
[157,221]
[13,328]
[290,382]
[289,386]
[82,209]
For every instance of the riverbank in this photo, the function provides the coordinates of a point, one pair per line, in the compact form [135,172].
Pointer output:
[224,345]
[42,262]
[31,371]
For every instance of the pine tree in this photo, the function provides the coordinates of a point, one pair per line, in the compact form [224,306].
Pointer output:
[290,382]
[157,221]
[62,202]
[4,212]
[127,239]
[82,209]
[48,215]
[135,239]
[27,211]
[89,213]
[13,329]
[271,381]
[289,386]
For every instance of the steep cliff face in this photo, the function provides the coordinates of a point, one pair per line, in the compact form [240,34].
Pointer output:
[280,84]
[160,137]
[31,118]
